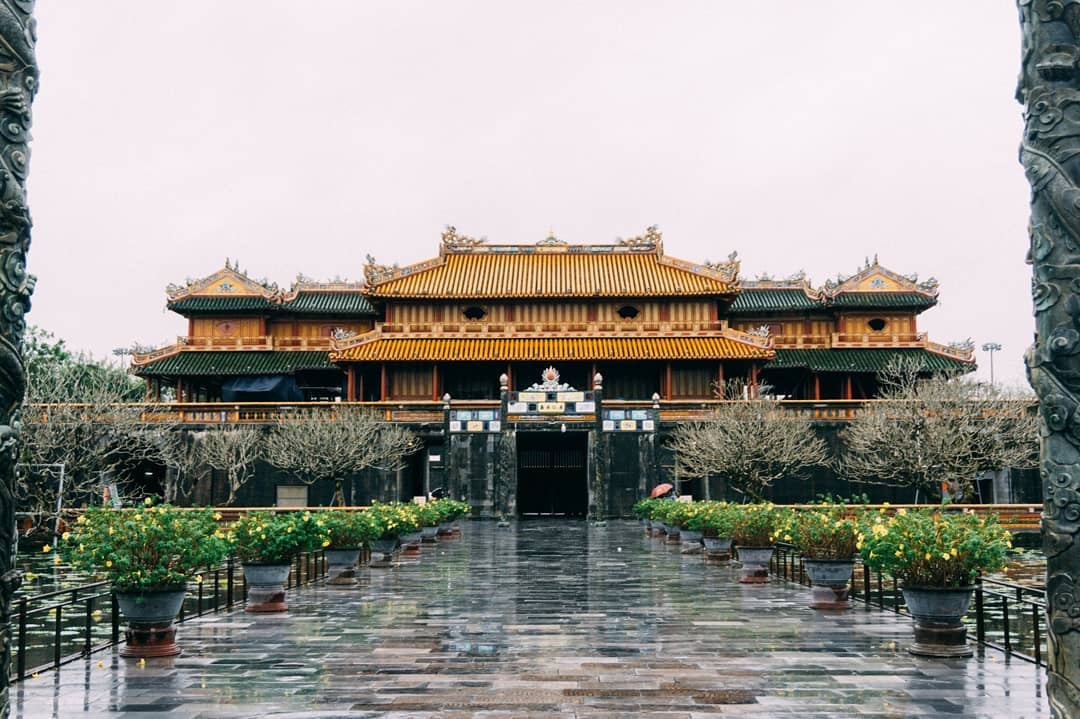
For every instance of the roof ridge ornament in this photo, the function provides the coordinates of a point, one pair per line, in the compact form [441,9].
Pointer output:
[551,240]
[653,239]
[451,240]
[375,273]
[728,271]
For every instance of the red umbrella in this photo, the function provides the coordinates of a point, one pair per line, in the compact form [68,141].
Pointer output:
[660,490]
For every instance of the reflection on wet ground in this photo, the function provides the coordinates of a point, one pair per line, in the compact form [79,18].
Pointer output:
[543,618]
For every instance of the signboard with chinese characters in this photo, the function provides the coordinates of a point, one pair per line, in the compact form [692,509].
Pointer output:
[475,420]
[629,420]
[549,399]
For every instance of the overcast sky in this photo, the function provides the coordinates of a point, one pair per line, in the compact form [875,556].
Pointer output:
[300,136]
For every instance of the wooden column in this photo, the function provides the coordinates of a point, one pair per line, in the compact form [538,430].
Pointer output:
[667,380]
[190,327]
[847,387]
[753,381]
[382,382]
[350,384]
[179,390]
[360,396]
[720,379]
[817,386]
[435,381]
[592,377]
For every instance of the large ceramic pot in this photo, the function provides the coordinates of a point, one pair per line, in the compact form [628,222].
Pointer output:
[429,534]
[717,547]
[672,532]
[691,541]
[938,615]
[151,616]
[755,564]
[341,566]
[410,543]
[266,587]
[382,551]
[829,582]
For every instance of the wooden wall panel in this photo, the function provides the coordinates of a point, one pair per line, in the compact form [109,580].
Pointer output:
[411,381]
[692,381]
[226,327]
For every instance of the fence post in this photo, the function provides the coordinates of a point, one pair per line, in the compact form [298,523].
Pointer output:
[980,619]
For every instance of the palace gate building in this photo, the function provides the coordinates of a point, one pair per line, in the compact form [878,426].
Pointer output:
[541,377]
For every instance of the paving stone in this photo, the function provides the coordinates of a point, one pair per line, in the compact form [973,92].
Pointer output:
[543,619]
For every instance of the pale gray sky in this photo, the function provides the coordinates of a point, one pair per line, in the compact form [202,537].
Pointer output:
[299,136]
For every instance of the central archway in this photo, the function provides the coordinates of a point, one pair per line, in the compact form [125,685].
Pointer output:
[553,472]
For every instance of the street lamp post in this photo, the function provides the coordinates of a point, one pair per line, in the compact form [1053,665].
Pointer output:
[991,347]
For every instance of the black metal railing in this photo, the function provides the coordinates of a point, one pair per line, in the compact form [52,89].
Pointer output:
[1006,616]
[53,628]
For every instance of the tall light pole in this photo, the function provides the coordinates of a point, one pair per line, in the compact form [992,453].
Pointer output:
[991,347]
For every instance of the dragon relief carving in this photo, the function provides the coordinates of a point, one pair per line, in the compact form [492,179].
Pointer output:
[375,273]
[451,240]
[1050,155]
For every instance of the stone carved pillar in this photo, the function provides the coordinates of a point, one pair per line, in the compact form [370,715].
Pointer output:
[1049,90]
[18,84]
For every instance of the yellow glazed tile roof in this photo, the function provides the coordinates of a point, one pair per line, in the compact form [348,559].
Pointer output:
[551,348]
[569,271]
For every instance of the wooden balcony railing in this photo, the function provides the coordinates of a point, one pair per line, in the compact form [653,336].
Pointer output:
[233,343]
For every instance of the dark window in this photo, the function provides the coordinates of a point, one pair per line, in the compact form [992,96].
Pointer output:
[877,324]
[628,312]
[475,313]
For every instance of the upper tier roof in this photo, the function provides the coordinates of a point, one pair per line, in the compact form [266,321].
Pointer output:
[471,269]
[229,290]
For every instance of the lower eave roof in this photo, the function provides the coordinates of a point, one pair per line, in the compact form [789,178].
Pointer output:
[870,360]
[551,349]
[234,363]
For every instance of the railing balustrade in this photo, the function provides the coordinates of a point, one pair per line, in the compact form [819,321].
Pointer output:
[1005,616]
[54,628]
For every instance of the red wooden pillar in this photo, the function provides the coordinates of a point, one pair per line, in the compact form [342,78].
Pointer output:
[847,387]
[382,383]
[179,390]
[817,386]
[592,377]
[190,327]
[435,381]
[350,386]
[360,396]
[667,380]
[753,381]
[720,380]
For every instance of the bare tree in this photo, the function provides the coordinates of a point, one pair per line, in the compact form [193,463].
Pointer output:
[79,414]
[181,452]
[938,432]
[330,443]
[233,450]
[751,442]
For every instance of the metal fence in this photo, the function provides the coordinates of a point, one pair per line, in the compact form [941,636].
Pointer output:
[53,628]
[1006,616]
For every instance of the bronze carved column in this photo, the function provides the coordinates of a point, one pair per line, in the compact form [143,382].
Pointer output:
[1050,154]
[18,84]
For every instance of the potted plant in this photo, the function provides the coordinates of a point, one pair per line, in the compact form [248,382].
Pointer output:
[826,536]
[936,555]
[642,510]
[147,554]
[665,512]
[717,523]
[753,531]
[410,541]
[347,532]
[690,518]
[266,544]
[391,520]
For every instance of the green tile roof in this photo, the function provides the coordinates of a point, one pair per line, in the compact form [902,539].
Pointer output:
[881,300]
[329,303]
[223,303]
[862,360]
[773,300]
[200,363]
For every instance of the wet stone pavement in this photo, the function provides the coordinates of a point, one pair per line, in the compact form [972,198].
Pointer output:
[546,618]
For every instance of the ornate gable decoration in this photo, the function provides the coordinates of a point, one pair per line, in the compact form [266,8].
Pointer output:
[797,281]
[228,281]
[875,278]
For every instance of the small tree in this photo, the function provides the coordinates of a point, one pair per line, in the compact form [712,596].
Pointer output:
[182,453]
[751,443]
[79,413]
[233,450]
[938,432]
[328,444]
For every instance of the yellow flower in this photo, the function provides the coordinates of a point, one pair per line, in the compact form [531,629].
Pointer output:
[326,543]
[108,562]
[56,560]
[148,501]
[899,553]
[198,578]
[65,536]
[217,516]
[112,531]
[928,555]
[871,555]
[901,511]
[954,552]
[46,549]
[946,555]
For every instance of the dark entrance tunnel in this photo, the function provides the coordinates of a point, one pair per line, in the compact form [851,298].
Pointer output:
[552,473]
